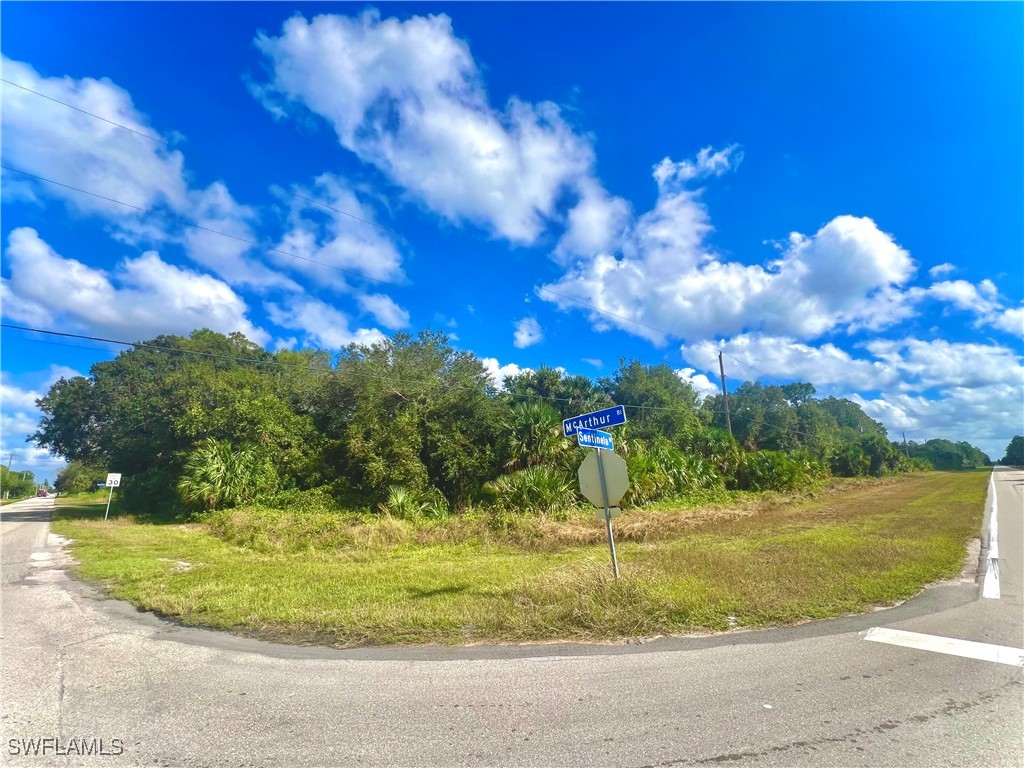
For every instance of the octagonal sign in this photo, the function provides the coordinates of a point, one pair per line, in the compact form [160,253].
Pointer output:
[615,476]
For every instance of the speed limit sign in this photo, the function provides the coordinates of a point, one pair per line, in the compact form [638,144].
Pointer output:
[113,480]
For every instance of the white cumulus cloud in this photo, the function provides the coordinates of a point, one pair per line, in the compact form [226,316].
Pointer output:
[528,332]
[47,139]
[149,296]
[384,310]
[407,97]
[665,281]
[321,324]
[331,245]
[499,372]
[698,381]
[137,181]
[941,269]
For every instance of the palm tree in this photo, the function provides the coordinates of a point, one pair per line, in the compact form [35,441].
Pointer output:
[218,475]
[534,435]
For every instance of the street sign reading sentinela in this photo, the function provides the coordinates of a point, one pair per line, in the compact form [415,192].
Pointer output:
[609,417]
[594,438]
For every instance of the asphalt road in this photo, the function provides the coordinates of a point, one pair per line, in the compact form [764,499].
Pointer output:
[78,667]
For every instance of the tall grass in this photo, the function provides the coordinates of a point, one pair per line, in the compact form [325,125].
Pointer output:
[344,579]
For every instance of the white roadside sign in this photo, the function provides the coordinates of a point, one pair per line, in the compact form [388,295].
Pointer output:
[113,481]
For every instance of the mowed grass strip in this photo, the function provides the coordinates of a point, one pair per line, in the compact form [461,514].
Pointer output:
[357,582]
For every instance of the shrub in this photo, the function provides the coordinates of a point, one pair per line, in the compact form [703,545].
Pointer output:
[409,504]
[776,471]
[850,461]
[658,469]
[217,475]
[537,489]
[312,500]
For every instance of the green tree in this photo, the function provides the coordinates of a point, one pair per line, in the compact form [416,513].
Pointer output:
[944,454]
[763,418]
[144,412]
[78,477]
[533,435]
[658,401]
[413,412]
[17,483]
[1014,452]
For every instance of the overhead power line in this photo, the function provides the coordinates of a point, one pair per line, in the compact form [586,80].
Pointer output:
[346,213]
[85,112]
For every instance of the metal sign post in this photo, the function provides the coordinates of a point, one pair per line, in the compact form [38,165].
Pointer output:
[113,481]
[606,486]
[607,512]
[109,497]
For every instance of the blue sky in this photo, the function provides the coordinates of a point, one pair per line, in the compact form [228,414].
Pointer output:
[828,193]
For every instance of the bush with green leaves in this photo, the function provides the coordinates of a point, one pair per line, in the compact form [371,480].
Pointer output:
[217,475]
[537,489]
[79,477]
[311,500]
[776,471]
[849,461]
[410,503]
[658,470]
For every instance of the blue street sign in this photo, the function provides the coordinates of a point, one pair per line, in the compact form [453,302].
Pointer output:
[609,417]
[593,438]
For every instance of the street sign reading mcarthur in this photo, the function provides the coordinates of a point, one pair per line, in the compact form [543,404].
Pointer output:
[609,417]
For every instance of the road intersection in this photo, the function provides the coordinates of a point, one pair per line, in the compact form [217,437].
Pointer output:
[831,693]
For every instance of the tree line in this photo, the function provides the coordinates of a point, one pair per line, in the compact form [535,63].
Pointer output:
[17,484]
[412,426]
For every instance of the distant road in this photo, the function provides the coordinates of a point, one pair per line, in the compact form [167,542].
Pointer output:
[858,691]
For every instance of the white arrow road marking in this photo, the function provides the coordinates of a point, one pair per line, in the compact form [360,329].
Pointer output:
[991,586]
[1001,654]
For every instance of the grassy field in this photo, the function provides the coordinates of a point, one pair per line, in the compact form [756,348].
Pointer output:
[343,581]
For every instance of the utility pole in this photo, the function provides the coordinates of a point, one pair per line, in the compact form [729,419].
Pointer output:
[905,446]
[725,394]
[9,460]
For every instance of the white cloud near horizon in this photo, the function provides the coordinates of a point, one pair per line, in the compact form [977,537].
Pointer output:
[321,324]
[699,381]
[664,280]
[929,388]
[19,418]
[150,296]
[499,372]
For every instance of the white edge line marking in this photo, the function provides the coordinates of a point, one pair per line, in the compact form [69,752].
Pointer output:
[991,586]
[1000,654]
